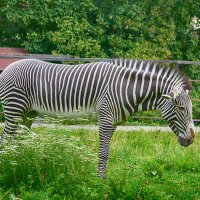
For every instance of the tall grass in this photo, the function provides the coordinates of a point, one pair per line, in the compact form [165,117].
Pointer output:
[59,164]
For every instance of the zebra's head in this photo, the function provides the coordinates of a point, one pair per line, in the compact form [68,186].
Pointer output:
[177,110]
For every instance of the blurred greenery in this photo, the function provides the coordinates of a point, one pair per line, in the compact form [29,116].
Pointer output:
[153,29]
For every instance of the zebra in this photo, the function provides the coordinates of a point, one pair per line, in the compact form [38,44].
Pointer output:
[30,87]
[134,63]
[137,64]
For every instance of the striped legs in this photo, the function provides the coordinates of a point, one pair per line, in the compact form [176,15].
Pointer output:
[15,115]
[16,118]
[12,117]
[106,130]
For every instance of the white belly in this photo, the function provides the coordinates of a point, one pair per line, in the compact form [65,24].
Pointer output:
[77,114]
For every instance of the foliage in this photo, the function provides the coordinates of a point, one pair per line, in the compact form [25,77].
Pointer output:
[145,30]
[52,26]
[59,164]
[154,29]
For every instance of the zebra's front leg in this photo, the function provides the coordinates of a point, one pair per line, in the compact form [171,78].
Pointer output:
[105,133]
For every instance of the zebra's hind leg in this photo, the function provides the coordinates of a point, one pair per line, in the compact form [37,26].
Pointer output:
[12,120]
[105,133]
[14,115]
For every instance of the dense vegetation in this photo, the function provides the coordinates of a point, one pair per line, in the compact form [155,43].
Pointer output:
[134,29]
[147,30]
[58,164]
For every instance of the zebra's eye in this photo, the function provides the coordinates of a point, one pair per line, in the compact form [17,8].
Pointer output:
[182,108]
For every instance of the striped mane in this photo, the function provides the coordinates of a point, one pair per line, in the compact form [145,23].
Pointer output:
[152,65]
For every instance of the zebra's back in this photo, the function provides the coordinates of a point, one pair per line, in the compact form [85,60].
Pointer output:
[56,88]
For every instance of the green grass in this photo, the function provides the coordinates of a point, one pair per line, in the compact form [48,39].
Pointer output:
[58,164]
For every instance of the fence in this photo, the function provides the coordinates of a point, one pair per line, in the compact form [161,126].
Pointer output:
[62,58]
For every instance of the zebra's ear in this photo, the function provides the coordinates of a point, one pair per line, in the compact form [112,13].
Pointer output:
[168,96]
[171,95]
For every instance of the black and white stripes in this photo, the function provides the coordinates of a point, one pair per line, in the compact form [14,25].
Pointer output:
[115,89]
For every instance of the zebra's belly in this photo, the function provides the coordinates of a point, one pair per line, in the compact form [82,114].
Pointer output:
[85,114]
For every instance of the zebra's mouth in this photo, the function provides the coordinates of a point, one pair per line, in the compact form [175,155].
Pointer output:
[184,141]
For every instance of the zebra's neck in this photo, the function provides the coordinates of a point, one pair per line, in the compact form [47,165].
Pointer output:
[140,90]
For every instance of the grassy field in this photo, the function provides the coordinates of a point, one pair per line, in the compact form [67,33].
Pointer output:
[57,164]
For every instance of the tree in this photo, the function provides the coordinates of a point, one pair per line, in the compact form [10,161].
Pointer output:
[40,26]
[149,29]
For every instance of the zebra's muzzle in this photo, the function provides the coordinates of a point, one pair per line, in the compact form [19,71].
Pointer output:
[188,140]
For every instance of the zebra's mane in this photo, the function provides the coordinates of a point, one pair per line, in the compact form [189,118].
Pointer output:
[152,65]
